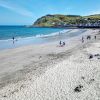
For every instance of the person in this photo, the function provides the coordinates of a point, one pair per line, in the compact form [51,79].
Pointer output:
[63,43]
[82,39]
[60,43]
[13,38]
[95,37]
[88,37]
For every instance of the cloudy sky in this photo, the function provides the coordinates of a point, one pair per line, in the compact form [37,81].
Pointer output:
[25,12]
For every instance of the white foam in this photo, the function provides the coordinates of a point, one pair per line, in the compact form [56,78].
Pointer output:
[53,34]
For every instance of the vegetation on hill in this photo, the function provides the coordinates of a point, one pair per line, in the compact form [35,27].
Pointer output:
[66,20]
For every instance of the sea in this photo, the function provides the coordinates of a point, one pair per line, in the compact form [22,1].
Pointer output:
[32,35]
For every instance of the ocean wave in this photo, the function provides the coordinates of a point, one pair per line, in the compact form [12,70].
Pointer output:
[39,35]
[52,34]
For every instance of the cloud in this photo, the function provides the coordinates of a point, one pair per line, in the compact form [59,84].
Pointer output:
[95,12]
[18,9]
[92,12]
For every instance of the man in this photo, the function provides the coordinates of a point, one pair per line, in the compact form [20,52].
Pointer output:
[82,39]
[95,37]
[13,38]
[60,43]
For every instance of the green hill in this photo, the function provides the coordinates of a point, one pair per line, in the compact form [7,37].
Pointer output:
[65,20]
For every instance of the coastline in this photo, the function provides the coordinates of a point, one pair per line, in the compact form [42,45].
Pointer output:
[26,67]
[66,35]
[40,38]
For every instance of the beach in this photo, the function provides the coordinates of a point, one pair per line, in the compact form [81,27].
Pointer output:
[50,72]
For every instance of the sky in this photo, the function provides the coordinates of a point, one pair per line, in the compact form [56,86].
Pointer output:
[25,12]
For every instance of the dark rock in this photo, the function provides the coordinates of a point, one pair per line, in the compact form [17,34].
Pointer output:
[78,88]
[91,80]
[97,55]
[91,56]
[83,77]
[4,96]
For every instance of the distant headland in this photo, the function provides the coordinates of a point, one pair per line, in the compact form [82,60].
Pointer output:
[91,21]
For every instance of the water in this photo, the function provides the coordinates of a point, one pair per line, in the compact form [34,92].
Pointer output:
[7,32]
[25,36]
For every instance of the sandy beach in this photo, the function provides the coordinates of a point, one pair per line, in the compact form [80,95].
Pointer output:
[50,72]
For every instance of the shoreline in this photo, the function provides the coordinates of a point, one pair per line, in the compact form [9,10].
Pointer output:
[39,39]
[27,64]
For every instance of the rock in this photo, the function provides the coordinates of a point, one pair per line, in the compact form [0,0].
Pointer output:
[91,80]
[91,56]
[4,96]
[97,55]
[83,77]
[78,88]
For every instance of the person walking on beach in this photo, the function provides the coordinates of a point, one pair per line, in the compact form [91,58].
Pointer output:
[82,39]
[95,37]
[60,43]
[63,43]
[13,39]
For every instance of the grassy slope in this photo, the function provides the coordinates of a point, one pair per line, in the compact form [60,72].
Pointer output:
[55,20]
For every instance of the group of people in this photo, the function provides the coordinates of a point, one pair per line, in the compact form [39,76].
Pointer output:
[88,38]
[62,43]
